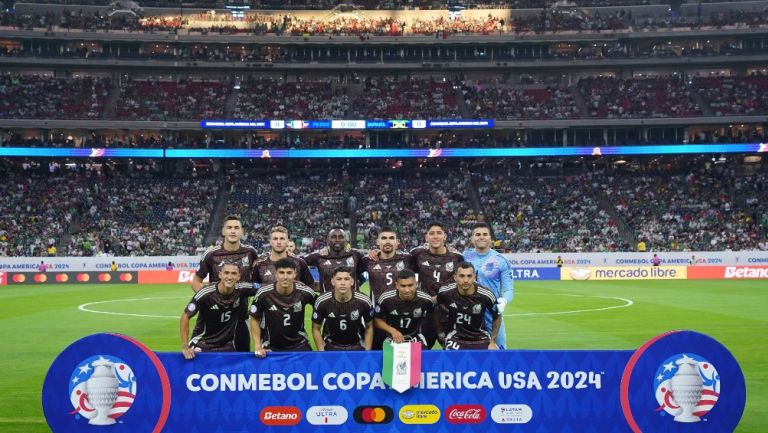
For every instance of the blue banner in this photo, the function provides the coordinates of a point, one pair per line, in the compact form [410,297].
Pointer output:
[536,274]
[112,383]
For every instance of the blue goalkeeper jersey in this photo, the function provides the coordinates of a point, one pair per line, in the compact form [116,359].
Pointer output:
[493,271]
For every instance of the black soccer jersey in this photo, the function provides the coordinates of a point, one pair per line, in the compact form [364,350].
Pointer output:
[466,312]
[405,316]
[264,270]
[382,273]
[326,262]
[434,270]
[246,255]
[282,316]
[218,316]
[343,322]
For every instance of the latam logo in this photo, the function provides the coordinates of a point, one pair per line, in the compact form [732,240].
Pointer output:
[746,272]
[511,414]
[419,414]
[373,414]
[327,415]
[280,415]
[465,414]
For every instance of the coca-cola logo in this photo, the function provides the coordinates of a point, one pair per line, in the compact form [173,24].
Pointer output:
[465,414]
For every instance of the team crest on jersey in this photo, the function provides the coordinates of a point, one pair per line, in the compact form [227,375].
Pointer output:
[297,307]
[417,312]
[449,266]
[687,386]
[354,315]
[102,388]
[350,261]
[246,262]
[400,266]
[477,309]
[237,303]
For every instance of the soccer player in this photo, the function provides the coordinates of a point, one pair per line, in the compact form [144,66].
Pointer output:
[277,312]
[382,272]
[291,248]
[493,272]
[401,312]
[336,254]
[389,261]
[230,250]
[264,269]
[220,305]
[344,315]
[467,302]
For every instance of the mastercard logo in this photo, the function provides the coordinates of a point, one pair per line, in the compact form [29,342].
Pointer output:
[373,414]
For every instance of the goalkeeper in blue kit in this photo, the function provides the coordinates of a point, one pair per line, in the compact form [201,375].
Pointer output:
[493,271]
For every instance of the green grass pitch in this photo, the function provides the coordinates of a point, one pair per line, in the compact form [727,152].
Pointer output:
[37,322]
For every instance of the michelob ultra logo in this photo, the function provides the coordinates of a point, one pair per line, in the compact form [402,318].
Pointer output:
[419,414]
[327,415]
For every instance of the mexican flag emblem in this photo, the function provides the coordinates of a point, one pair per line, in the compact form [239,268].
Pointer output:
[402,365]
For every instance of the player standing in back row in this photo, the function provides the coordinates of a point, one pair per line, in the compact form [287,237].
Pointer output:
[336,254]
[230,250]
[264,269]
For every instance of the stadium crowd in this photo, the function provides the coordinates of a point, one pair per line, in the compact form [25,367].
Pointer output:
[409,202]
[142,215]
[551,214]
[54,98]
[165,100]
[307,204]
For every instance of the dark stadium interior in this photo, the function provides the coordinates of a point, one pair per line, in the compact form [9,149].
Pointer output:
[590,73]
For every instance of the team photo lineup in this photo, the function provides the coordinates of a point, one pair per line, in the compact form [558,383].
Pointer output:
[429,295]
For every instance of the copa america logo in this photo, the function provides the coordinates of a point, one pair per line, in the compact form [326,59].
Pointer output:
[687,387]
[102,388]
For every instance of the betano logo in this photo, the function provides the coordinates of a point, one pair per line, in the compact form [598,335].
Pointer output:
[465,414]
[373,414]
[327,415]
[419,414]
[280,415]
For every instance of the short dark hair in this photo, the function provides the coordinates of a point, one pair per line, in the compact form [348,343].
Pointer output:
[481,225]
[406,274]
[465,265]
[235,263]
[232,217]
[438,224]
[285,263]
[342,269]
[386,229]
[337,228]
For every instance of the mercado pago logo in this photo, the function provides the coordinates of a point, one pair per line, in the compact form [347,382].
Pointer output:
[687,387]
[102,389]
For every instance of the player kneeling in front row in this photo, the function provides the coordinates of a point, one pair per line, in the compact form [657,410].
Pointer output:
[277,312]
[220,305]
[467,302]
[344,315]
[401,312]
